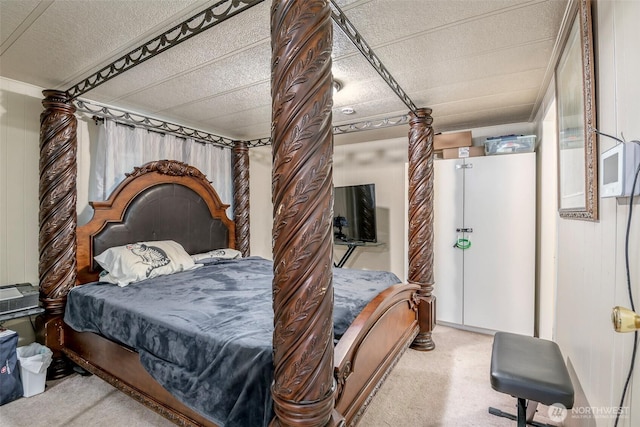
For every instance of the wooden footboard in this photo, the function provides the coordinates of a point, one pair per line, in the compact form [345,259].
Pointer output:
[363,358]
[371,347]
[121,368]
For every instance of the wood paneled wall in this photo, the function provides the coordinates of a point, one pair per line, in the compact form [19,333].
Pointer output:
[591,272]
[20,107]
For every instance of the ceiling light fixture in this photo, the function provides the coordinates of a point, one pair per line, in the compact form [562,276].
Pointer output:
[348,111]
[336,86]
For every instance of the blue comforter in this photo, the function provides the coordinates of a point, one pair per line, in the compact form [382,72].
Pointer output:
[206,334]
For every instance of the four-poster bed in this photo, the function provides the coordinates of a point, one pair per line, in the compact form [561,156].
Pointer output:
[314,383]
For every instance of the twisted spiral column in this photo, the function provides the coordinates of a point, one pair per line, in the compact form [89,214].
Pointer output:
[421,222]
[58,172]
[301,40]
[240,159]
[58,220]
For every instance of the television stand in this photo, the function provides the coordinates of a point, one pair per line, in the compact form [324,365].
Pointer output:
[351,247]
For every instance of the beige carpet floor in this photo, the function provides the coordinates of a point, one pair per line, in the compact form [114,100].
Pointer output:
[446,387]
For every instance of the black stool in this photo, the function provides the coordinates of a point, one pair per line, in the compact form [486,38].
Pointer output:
[529,369]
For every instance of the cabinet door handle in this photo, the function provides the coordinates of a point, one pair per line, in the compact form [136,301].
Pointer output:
[464,230]
[462,244]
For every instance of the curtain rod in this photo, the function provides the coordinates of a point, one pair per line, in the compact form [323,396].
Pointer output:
[98,120]
[157,125]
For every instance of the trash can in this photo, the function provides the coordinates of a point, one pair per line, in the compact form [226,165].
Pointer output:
[34,360]
[10,384]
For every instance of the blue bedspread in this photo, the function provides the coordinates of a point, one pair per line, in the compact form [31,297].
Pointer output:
[206,334]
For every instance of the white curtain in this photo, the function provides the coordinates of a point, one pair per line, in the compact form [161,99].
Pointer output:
[120,148]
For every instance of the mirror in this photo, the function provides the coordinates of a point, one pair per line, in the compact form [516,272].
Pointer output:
[577,143]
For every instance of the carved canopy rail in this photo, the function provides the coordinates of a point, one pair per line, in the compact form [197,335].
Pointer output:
[99,111]
[209,18]
[371,124]
[350,30]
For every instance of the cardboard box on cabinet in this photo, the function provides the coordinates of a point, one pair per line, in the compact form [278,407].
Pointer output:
[462,152]
[452,140]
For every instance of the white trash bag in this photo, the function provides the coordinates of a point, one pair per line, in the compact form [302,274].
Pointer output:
[34,357]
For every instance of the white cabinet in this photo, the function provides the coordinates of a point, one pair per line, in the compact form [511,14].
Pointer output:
[491,284]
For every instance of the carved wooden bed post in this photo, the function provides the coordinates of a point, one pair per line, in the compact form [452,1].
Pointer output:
[421,222]
[301,40]
[240,156]
[58,219]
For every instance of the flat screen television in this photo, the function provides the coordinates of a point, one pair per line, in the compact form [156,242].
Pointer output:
[354,213]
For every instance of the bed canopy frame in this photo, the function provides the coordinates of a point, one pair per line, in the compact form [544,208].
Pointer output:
[301,39]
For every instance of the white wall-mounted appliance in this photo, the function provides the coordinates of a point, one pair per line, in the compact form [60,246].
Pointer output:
[617,169]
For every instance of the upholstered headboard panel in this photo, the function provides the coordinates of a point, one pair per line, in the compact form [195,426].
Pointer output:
[160,201]
[166,212]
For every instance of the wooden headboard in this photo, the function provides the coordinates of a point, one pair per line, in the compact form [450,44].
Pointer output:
[161,200]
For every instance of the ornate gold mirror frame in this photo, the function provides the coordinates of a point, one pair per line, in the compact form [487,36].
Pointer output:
[577,142]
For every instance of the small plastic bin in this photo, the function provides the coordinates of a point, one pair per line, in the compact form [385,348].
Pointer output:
[34,360]
[510,144]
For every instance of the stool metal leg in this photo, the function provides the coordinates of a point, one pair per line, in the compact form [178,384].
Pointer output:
[522,412]
[521,419]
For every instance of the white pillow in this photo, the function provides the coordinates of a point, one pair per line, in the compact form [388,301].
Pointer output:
[143,260]
[227,253]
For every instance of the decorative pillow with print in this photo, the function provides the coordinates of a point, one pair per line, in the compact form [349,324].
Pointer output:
[143,260]
[216,254]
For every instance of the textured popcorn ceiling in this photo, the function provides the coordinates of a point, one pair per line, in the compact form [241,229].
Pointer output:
[474,62]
